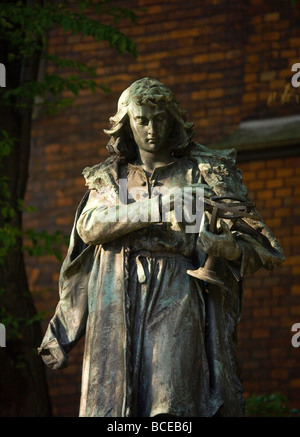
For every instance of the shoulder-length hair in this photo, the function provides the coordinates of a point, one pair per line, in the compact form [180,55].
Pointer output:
[150,92]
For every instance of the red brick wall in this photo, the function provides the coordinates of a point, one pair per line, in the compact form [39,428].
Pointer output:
[223,59]
[272,299]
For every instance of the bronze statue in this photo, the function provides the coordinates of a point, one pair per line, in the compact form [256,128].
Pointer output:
[159,340]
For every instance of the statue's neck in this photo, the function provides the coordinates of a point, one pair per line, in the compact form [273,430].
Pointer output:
[149,161]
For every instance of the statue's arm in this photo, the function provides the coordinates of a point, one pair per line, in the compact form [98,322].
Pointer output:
[68,323]
[254,245]
[51,350]
[103,220]
[258,248]
[245,247]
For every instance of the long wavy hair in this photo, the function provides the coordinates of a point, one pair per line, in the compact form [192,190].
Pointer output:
[147,91]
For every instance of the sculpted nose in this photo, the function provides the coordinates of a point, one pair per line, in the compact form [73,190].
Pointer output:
[151,128]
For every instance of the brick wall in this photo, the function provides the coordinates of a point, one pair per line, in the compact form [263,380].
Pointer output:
[272,299]
[227,61]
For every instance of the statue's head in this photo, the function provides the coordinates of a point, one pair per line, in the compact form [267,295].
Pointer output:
[150,93]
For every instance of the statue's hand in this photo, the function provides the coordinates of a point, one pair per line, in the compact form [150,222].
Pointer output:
[219,245]
[181,195]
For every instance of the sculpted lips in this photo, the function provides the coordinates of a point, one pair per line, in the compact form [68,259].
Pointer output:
[152,139]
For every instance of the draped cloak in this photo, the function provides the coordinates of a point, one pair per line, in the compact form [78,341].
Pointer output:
[98,288]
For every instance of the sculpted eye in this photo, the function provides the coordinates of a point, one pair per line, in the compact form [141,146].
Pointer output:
[160,117]
[142,121]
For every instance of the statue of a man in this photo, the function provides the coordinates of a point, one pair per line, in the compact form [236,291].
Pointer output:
[156,343]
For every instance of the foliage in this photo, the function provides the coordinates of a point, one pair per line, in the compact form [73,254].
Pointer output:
[13,324]
[24,27]
[38,242]
[6,146]
[269,405]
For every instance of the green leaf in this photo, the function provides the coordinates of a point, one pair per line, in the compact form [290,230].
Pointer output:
[43,242]
[6,143]
[269,405]
[65,63]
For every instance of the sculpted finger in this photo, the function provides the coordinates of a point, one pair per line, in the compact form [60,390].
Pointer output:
[225,227]
[208,240]
[207,218]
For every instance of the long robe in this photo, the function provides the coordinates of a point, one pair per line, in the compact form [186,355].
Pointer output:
[155,341]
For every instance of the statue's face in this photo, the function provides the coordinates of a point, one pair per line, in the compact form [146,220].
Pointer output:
[150,125]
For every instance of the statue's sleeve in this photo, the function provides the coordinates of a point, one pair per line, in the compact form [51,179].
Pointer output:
[105,218]
[67,325]
[258,244]
[259,247]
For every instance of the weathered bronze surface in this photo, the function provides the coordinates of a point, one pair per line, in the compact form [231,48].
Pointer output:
[232,210]
[155,341]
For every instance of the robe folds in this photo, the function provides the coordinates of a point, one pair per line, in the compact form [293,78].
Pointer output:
[155,341]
